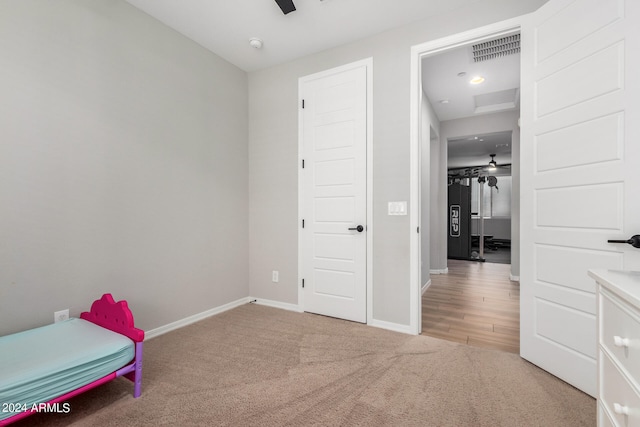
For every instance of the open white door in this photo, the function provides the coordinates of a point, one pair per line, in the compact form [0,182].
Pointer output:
[580,173]
[333,240]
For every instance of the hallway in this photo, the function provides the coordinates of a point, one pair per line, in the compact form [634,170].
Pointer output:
[475,304]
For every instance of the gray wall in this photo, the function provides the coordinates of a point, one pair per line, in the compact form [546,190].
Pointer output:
[273,146]
[429,138]
[499,228]
[123,165]
[438,231]
[488,123]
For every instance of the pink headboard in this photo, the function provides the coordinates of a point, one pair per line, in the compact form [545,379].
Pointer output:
[114,316]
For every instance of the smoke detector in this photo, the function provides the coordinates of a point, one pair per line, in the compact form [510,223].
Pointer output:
[255,43]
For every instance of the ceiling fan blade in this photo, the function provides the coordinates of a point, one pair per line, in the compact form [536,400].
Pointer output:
[286,6]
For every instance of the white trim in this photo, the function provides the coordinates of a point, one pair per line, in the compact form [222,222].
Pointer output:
[153,333]
[415,241]
[415,98]
[426,286]
[193,319]
[368,64]
[396,327]
[276,304]
[441,271]
[514,278]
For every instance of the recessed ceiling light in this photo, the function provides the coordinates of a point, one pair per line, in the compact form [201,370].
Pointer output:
[481,139]
[462,74]
[476,80]
[444,101]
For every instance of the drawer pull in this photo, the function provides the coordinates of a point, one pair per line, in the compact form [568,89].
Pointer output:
[621,410]
[620,342]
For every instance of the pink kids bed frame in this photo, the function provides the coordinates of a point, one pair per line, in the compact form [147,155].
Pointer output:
[116,317]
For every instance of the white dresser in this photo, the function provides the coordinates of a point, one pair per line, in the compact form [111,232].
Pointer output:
[618,311]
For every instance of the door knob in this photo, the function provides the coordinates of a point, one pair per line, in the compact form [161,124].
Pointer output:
[633,241]
[359,228]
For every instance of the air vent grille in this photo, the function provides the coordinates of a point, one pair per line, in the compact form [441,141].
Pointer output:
[496,48]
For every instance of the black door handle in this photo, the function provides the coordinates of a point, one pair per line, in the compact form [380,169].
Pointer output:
[633,241]
[359,229]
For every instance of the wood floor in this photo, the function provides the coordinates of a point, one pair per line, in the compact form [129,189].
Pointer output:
[475,304]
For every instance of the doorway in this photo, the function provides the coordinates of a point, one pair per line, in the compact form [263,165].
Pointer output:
[560,112]
[498,102]
[480,187]
[473,100]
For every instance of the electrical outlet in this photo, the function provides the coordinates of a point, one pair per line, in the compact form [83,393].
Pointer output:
[61,315]
[275,276]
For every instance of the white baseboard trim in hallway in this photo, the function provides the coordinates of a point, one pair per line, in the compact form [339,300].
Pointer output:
[426,286]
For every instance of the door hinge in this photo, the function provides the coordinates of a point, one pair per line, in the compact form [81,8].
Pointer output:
[303,103]
[303,283]
[303,223]
[418,231]
[302,163]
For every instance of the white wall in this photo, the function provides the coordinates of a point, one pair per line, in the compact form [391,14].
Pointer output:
[123,165]
[273,165]
[507,121]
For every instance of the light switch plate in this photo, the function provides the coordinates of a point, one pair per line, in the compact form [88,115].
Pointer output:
[397,208]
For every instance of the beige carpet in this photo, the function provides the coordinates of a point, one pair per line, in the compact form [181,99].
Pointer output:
[261,366]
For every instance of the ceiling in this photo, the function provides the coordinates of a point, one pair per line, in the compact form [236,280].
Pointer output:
[225,27]
[499,92]
[474,150]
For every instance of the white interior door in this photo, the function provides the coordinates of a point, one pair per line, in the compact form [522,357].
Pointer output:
[580,157]
[333,241]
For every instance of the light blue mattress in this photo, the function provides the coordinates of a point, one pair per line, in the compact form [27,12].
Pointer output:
[40,364]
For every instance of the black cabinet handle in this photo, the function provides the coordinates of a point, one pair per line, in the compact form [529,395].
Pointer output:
[359,229]
[633,241]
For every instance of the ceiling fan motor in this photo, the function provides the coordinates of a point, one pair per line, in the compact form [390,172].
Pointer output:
[287,6]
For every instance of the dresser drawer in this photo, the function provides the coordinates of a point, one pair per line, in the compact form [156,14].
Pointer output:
[603,417]
[620,333]
[617,395]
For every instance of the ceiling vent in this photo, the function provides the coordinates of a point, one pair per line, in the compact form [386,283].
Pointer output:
[496,48]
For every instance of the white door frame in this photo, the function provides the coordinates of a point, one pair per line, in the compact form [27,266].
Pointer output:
[368,64]
[415,93]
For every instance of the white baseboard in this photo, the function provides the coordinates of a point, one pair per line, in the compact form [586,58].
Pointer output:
[441,271]
[396,327]
[514,278]
[426,286]
[152,333]
[277,304]
[195,318]
[405,329]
